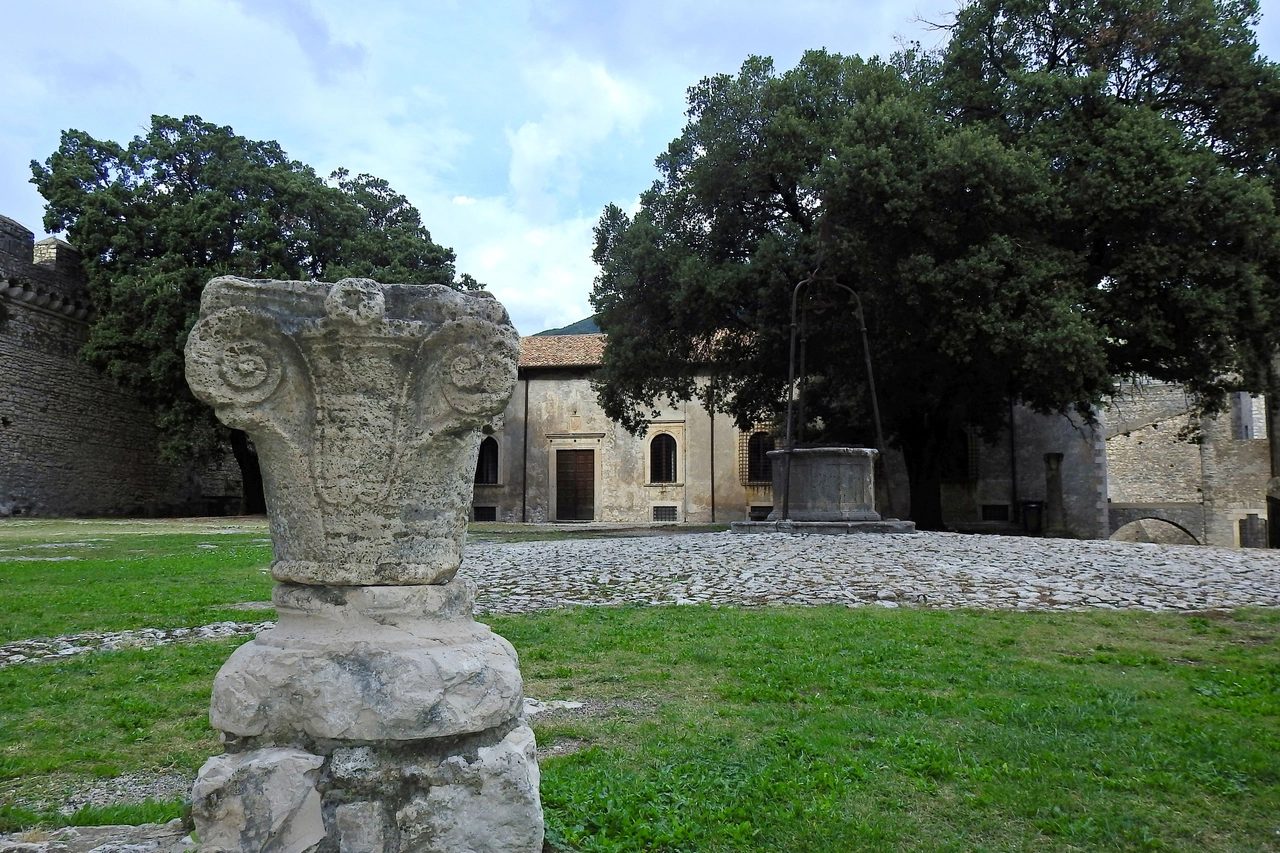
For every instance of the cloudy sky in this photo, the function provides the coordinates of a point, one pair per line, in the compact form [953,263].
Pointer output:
[509,124]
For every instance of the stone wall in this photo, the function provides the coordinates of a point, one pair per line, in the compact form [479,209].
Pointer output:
[1004,476]
[71,442]
[1226,471]
[1235,474]
[1147,460]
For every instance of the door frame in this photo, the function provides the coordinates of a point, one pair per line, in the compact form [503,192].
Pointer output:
[574,441]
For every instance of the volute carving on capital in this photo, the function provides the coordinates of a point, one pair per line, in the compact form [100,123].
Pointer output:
[365,402]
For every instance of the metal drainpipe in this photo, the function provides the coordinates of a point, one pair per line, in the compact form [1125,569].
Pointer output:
[1013,466]
[712,413]
[524,461]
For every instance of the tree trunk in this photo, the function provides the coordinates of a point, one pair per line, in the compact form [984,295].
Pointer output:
[252,500]
[924,473]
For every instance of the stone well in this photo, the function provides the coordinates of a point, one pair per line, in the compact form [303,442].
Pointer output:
[832,490]
[378,716]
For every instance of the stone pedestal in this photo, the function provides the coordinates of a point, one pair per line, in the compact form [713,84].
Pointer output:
[378,716]
[832,490]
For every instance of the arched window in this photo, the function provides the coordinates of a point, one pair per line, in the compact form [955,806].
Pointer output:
[487,466]
[759,465]
[662,459]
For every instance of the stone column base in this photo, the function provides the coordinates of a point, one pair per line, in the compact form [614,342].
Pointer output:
[476,794]
[371,720]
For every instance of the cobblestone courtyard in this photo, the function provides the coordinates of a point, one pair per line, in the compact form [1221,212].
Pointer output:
[724,569]
[925,569]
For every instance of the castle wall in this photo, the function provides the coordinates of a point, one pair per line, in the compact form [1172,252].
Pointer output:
[1005,475]
[71,442]
[1226,471]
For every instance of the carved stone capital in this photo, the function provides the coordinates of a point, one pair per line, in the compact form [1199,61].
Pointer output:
[365,402]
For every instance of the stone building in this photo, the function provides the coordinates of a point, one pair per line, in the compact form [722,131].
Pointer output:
[557,457]
[1043,474]
[1161,484]
[71,442]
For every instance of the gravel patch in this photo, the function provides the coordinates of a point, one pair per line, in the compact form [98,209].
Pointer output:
[28,651]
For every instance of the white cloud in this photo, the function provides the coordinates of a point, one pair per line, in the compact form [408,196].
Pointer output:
[542,273]
[584,107]
[328,57]
[508,123]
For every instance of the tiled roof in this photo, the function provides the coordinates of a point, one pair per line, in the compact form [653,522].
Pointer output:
[561,350]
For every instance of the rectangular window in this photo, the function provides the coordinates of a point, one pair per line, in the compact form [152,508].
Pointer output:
[1241,416]
[486,513]
[664,513]
[995,512]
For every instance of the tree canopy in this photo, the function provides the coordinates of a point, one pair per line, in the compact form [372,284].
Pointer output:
[189,200]
[1069,193]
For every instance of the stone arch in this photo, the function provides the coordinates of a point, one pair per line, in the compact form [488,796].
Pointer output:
[1153,528]
[1188,517]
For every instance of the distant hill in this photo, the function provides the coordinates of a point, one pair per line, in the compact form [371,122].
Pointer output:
[582,327]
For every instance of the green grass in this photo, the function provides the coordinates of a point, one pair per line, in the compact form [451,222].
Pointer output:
[801,729]
[831,729]
[62,584]
[722,730]
[14,818]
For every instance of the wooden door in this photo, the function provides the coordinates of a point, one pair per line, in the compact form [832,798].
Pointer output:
[575,485]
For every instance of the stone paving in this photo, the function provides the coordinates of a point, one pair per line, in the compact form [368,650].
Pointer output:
[724,569]
[925,569]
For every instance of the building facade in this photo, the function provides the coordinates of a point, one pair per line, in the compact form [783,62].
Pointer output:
[557,457]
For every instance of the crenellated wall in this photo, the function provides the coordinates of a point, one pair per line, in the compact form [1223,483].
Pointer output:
[72,442]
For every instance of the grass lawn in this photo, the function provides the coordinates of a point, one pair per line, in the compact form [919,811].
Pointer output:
[64,577]
[823,729]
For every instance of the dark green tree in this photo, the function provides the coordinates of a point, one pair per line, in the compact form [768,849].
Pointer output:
[1161,125]
[187,201]
[997,262]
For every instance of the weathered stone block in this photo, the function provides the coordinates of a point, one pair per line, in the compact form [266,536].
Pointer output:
[825,484]
[262,801]
[362,827]
[369,663]
[499,790]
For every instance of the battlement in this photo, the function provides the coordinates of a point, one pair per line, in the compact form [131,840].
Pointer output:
[16,242]
[45,275]
[58,255]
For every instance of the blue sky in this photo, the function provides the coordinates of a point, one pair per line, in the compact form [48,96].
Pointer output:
[509,124]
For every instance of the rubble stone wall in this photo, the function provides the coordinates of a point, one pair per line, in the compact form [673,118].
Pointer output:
[71,442]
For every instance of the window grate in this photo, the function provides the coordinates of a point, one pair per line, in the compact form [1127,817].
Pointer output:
[995,512]
[486,513]
[487,464]
[662,459]
[664,513]
[755,468]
